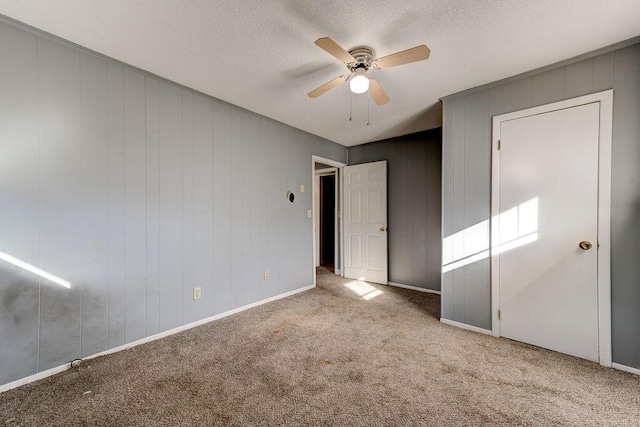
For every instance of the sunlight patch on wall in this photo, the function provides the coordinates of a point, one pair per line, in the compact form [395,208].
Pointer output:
[513,228]
[33,269]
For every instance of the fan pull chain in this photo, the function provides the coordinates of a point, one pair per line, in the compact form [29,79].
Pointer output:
[368,108]
[350,106]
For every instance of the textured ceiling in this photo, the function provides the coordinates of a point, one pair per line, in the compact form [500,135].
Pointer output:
[259,54]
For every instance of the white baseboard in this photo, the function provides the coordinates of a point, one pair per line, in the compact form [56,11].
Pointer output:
[35,377]
[62,368]
[625,368]
[465,326]
[414,288]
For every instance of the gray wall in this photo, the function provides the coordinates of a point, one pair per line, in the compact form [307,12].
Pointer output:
[466,181]
[135,190]
[414,204]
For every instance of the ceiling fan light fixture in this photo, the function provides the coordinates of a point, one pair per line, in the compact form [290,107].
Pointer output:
[360,59]
[359,83]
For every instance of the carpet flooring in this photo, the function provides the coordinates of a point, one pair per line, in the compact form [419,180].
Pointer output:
[339,354]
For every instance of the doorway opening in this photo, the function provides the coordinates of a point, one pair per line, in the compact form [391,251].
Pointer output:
[327,226]
[326,215]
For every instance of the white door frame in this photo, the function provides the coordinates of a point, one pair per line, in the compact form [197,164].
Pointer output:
[604,211]
[338,165]
[316,212]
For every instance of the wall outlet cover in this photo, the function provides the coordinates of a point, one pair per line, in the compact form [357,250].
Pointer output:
[197,293]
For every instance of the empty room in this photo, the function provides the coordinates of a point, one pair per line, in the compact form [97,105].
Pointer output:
[286,212]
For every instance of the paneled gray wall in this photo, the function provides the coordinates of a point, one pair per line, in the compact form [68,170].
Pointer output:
[466,181]
[414,200]
[136,191]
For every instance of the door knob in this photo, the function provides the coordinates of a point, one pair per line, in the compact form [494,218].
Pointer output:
[383,229]
[584,245]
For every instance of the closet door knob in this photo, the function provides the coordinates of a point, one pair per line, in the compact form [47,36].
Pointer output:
[585,246]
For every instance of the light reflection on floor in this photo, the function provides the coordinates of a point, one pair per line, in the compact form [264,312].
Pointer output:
[363,289]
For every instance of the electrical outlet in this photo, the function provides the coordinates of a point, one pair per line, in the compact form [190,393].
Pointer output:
[267,274]
[197,293]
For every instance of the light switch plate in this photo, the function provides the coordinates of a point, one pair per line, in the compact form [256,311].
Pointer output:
[302,188]
[309,213]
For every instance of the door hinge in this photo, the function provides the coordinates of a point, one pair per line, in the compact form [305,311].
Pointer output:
[498,314]
[499,144]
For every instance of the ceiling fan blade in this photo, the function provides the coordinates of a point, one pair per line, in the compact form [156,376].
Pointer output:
[418,53]
[326,87]
[376,92]
[335,49]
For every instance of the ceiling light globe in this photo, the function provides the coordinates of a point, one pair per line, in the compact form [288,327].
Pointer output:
[359,84]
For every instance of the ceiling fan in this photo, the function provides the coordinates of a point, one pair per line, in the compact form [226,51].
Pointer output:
[358,60]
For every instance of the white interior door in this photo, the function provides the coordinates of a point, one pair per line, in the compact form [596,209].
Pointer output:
[365,222]
[548,198]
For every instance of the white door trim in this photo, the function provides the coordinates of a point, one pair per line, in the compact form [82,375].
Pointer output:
[316,212]
[604,211]
[338,165]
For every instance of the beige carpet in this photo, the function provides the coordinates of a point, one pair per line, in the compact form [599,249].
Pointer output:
[336,359]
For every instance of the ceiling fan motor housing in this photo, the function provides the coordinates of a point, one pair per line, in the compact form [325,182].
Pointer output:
[364,58]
